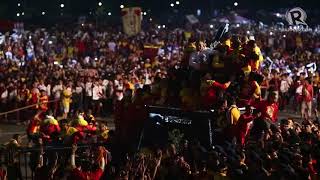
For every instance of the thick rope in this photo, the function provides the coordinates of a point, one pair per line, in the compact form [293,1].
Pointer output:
[26,107]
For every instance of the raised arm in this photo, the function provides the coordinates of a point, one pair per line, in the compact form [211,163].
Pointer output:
[219,85]
[73,156]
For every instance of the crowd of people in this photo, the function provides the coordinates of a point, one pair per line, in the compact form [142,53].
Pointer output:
[69,77]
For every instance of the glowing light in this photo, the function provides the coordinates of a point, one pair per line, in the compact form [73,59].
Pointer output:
[18,14]
[62,5]
[198,12]
[278,15]
[284,36]
[271,33]
[22,13]
[121,6]
[211,26]
[238,25]
[109,13]
[100,4]
[145,13]
[177,2]
[150,19]
[248,32]
[43,13]
[172,5]
[163,26]
[19,4]
[235,4]
[159,27]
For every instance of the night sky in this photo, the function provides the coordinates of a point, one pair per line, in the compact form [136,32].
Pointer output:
[156,8]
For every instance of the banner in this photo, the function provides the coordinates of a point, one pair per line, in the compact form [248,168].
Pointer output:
[150,51]
[131,20]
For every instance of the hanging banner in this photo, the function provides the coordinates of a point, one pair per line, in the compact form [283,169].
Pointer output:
[131,20]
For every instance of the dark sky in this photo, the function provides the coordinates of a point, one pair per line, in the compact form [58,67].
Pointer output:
[158,8]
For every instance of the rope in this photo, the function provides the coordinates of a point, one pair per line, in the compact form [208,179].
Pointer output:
[26,107]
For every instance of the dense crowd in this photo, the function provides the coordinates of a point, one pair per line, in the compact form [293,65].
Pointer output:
[69,77]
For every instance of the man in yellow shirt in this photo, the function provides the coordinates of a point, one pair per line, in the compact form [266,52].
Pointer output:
[233,114]
[66,100]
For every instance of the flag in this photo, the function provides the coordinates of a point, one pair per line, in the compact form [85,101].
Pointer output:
[192,19]
[131,20]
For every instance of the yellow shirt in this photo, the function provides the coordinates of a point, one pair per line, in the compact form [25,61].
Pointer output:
[234,115]
[51,121]
[105,134]
[71,130]
[246,70]
[66,100]
[147,65]
[257,91]
[70,51]
[258,52]
[187,35]
[228,42]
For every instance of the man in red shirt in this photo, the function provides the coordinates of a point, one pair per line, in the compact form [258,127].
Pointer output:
[242,126]
[307,97]
[212,92]
[269,108]
[79,174]
[43,101]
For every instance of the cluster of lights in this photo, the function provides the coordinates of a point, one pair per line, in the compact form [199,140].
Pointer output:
[159,26]
[20,14]
[177,3]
